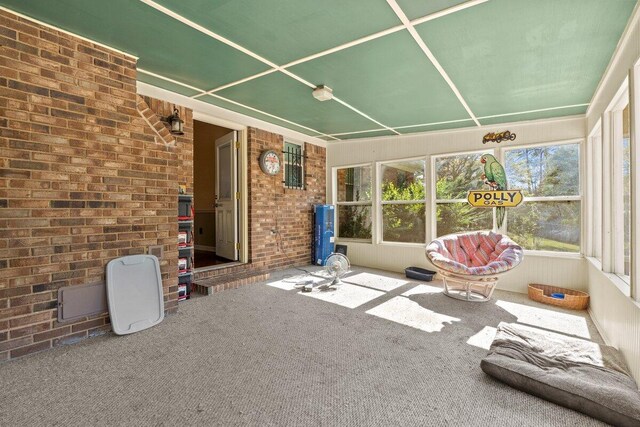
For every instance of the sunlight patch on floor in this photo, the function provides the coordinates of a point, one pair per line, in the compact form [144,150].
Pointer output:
[290,283]
[547,319]
[375,281]
[484,338]
[406,312]
[346,295]
[423,289]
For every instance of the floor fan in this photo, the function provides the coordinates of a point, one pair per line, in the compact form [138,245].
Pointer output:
[336,266]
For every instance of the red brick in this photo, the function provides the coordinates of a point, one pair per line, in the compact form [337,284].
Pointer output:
[30,330]
[29,319]
[30,299]
[11,344]
[23,351]
[53,333]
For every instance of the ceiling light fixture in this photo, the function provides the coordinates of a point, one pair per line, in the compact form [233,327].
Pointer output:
[323,93]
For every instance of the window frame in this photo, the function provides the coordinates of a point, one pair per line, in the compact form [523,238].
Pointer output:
[594,189]
[434,180]
[613,262]
[581,160]
[285,163]
[337,203]
[379,235]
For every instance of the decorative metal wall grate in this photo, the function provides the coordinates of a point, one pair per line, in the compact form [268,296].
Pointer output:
[293,166]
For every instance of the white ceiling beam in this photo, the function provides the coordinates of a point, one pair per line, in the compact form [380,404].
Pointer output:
[359,131]
[213,114]
[468,129]
[466,120]
[345,46]
[433,124]
[539,110]
[167,79]
[447,11]
[339,101]
[207,32]
[62,30]
[356,42]
[274,67]
[270,115]
[233,102]
[408,25]
[246,51]
[237,82]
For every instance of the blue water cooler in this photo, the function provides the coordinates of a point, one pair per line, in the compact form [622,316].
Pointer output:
[323,233]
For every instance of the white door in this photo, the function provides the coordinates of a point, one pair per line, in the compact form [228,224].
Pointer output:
[226,201]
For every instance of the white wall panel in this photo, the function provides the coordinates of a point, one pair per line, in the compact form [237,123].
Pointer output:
[614,312]
[562,271]
[616,315]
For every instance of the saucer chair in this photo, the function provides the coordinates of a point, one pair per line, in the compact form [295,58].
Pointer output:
[470,263]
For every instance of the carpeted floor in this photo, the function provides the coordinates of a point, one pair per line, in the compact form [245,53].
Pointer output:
[268,355]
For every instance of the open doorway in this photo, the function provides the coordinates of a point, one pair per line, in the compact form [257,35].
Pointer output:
[215,191]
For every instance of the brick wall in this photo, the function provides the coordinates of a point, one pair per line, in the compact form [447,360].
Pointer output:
[88,173]
[83,179]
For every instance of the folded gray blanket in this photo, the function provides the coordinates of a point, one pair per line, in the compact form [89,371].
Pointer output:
[578,374]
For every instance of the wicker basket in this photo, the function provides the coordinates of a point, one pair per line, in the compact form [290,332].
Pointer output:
[574,300]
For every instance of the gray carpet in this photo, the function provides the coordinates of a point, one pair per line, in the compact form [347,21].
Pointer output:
[259,355]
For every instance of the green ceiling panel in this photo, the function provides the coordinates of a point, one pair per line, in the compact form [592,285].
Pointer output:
[520,55]
[442,126]
[161,83]
[504,56]
[371,134]
[282,31]
[242,110]
[417,9]
[390,79]
[165,46]
[282,96]
[534,116]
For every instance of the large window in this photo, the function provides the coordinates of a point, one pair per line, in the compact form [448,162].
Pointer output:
[353,200]
[455,175]
[402,189]
[549,177]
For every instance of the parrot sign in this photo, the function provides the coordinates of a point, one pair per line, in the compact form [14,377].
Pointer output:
[499,197]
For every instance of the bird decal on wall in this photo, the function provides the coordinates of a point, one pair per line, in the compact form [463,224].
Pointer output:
[495,177]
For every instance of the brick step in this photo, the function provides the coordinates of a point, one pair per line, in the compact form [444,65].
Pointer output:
[211,286]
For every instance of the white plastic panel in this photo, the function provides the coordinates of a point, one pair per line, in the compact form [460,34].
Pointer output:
[134,293]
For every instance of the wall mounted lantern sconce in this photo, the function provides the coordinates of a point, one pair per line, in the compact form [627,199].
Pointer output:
[176,124]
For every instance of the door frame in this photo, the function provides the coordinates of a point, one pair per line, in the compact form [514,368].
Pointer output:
[243,202]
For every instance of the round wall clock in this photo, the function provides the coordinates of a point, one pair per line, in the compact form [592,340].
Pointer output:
[270,162]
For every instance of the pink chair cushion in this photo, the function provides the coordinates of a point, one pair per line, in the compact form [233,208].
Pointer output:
[478,253]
